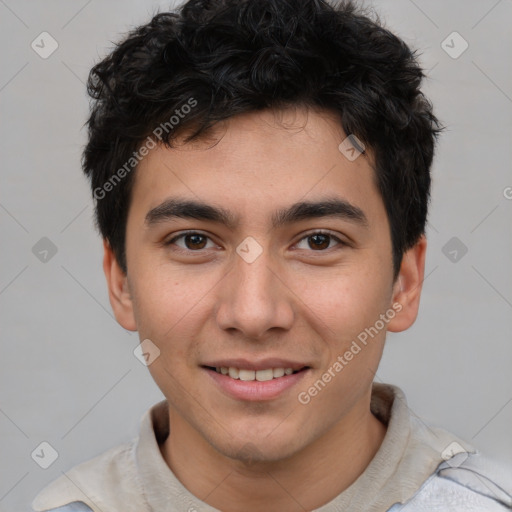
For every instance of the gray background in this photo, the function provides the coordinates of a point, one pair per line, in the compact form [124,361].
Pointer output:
[68,373]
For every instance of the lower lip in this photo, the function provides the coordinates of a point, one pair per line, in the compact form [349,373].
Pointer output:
[255,390]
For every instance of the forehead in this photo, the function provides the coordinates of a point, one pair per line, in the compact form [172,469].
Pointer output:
[256,161]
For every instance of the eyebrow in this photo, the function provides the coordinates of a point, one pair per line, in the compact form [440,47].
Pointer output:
[173,208]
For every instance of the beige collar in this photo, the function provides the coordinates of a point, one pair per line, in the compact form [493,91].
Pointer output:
[135,477]
[409,454]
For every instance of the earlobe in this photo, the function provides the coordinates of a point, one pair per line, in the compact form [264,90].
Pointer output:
[408,285]
[118,290]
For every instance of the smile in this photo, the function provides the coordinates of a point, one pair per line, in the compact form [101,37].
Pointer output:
[255,385]
[259,375]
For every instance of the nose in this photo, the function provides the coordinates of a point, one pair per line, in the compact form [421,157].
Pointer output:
[254,298]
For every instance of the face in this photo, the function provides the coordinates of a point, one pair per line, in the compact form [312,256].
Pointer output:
[281,266]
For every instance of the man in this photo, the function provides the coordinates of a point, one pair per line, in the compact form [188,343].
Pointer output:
[261,171]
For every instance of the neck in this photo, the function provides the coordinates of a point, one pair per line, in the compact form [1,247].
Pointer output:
[305,481]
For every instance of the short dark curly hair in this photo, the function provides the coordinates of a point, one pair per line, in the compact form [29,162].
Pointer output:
[228,57]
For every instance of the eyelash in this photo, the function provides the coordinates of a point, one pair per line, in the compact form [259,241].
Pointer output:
[318,232]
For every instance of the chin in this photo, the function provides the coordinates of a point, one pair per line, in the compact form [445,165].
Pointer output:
[252,449]
[251,454]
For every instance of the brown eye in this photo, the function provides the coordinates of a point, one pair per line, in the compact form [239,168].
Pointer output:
[320,241]
[193,242]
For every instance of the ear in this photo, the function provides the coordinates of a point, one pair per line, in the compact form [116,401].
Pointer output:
[118,292]
[408,285]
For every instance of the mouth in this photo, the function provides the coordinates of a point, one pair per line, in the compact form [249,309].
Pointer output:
[248,375]
[249,384]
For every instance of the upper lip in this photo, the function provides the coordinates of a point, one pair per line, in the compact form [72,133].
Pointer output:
[262,364]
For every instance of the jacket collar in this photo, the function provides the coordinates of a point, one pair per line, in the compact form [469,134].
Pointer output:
[410,454]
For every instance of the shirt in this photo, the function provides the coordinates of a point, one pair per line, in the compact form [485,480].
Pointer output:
[417,468]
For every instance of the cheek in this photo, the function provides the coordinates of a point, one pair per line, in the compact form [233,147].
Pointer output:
[166,300]
[345,301]
[344,311]
[171,308]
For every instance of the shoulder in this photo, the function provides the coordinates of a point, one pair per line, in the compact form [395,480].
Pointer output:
[74,489]
[466,482]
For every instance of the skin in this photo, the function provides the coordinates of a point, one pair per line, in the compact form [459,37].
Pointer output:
[298,300]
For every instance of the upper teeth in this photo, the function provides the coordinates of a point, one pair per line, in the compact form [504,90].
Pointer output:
[260,375]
